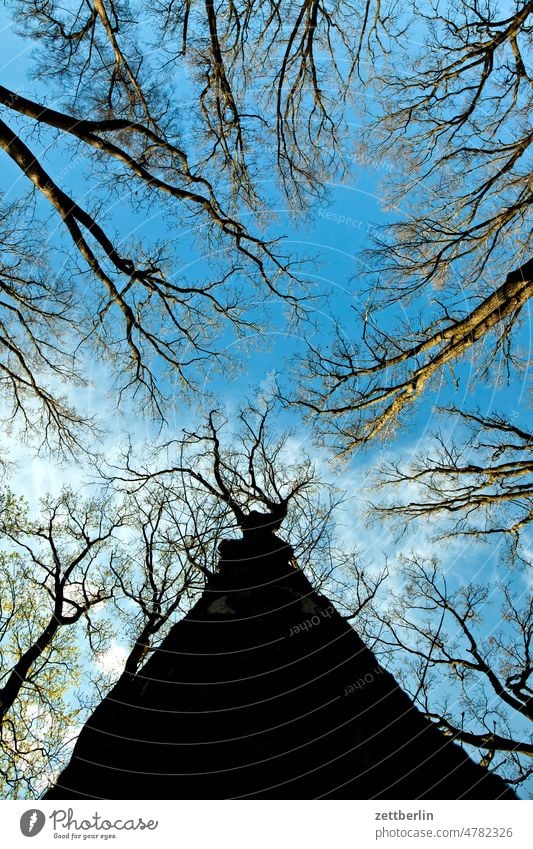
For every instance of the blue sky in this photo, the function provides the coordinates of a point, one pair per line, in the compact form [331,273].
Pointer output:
[333,234]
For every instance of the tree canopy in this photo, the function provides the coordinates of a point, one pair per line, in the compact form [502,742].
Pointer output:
[162,223]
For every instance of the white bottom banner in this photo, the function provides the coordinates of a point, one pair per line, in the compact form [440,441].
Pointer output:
[262,824]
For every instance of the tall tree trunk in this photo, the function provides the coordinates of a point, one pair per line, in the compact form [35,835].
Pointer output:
[264,691]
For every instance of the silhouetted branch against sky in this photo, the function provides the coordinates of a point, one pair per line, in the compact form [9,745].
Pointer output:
[87,574]
[480,643]
[118,104]
[459,114]
[236,468]
[483,487]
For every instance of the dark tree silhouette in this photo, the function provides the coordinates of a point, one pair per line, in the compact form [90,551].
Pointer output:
[253,690]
